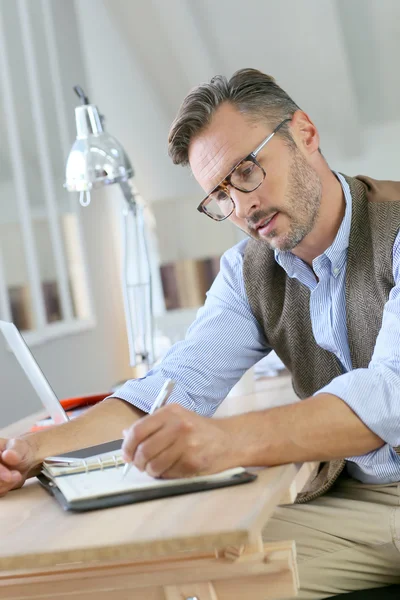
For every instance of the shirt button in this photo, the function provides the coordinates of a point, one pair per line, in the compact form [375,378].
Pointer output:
[335,271]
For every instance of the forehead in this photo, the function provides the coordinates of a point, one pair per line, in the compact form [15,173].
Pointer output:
[226,140]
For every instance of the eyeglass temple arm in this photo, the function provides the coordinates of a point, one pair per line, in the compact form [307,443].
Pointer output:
[261,146]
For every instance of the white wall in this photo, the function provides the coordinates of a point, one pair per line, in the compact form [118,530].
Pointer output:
[380,158]
[90,361]
[121,86]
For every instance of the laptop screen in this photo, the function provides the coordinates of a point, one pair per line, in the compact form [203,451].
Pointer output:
[33,372]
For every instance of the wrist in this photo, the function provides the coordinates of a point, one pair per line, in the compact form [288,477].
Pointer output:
[34,447]
[247,439]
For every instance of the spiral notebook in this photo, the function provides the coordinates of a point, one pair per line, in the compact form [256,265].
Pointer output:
[92,478]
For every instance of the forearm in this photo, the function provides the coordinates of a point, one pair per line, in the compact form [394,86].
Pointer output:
[322,427]
[103,422]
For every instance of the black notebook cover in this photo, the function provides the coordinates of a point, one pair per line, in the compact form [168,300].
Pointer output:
[141,495]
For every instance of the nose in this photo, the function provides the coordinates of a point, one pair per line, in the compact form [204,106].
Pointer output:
[245,203]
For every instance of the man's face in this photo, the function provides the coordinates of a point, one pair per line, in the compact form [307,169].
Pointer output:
[290,192]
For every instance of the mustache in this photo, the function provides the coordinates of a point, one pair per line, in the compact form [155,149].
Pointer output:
[259,215]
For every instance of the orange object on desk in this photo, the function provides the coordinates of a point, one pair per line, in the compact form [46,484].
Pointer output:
[73,407]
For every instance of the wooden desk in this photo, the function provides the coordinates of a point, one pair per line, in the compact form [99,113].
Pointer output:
[206,546]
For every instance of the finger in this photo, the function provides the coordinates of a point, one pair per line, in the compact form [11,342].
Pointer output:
[161,465]
[138,432]
[185,468]
[5,474]
[16,477]
[15,481]
[11,457]
[154,445]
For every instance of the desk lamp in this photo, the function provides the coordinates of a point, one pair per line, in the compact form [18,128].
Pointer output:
[95,160]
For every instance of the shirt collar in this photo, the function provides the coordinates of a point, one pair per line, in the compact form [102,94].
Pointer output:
[337,251]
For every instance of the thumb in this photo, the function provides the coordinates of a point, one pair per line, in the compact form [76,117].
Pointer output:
[15,453]
[3,446]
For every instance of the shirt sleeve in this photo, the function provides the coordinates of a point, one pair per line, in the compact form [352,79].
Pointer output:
[373,393]
[222,343]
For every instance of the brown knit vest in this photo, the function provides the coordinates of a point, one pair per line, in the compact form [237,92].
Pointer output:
[282,305]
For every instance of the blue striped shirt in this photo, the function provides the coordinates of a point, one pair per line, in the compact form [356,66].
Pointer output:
[225,340]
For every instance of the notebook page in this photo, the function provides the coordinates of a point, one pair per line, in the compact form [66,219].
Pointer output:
[93,463]
[110,481]
[88,453]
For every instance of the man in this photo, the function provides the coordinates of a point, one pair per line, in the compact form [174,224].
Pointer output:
[319,282]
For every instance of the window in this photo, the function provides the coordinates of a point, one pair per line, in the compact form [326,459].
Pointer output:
[43,278]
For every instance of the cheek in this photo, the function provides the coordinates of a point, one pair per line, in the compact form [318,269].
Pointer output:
[276,180]
[241,223]
[276,185]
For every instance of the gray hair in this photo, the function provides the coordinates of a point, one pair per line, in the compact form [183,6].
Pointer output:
[252,92]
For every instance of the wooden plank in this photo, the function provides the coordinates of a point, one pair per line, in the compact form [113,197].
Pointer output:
[200,591]
[36,532]
[262,587]
[303,475]
[182,571]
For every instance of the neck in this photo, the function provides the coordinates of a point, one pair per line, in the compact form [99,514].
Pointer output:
[329,219]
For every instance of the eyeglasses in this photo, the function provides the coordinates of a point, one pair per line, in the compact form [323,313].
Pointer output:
[246,177]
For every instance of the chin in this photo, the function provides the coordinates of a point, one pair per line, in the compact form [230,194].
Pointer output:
[273,240]
[276,242]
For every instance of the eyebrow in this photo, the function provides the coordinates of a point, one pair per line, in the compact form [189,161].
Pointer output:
[234,164]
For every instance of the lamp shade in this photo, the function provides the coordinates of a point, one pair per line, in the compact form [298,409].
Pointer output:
[96,158]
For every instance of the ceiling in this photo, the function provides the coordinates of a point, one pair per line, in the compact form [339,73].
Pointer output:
[336,58]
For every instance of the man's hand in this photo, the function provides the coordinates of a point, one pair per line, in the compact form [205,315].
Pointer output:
[175,442]
[21,458]
[16,460]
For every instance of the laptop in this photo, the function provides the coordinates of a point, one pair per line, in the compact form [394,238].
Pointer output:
[33,372]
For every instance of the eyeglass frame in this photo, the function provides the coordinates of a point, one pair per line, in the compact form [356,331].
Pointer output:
[252,157]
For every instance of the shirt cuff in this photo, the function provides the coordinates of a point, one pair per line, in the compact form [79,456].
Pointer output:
[143,392]
[373,395]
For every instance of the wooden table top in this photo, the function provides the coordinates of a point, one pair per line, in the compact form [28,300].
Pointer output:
[37,533]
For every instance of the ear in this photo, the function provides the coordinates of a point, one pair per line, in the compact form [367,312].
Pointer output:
[304,132]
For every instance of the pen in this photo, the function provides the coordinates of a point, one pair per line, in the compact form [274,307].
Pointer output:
[161,399]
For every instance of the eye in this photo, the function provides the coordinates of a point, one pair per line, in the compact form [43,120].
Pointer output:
[246,171]
[220,196]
